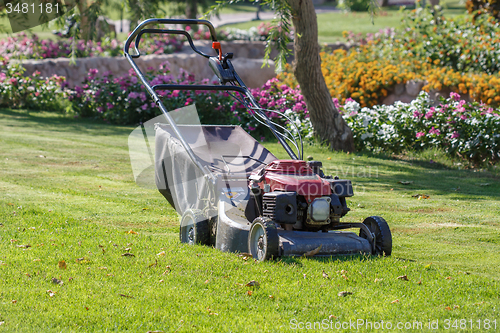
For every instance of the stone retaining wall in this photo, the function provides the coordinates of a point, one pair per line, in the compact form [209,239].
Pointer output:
[247,61]
[409,91]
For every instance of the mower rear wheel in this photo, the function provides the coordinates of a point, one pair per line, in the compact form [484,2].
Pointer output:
[194,228]
[263,239]
[383,237]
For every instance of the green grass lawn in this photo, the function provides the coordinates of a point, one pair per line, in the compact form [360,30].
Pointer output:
[332,25]
[67,191]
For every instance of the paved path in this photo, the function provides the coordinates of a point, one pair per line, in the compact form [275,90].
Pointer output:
[225,19]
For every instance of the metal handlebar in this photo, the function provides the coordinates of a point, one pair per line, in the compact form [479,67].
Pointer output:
[238,85]
[139,31]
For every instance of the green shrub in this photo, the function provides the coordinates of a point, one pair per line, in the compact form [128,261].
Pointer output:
[29,92]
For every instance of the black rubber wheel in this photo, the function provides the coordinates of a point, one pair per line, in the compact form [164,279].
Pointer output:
[383,236]
[263,239]
[194,228]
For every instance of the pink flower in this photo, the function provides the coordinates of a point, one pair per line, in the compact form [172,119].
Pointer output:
[463,117]
[298,107]
[175,93]
[455,135]
[109,106]
[92,73]
[2,77]
[144,107]
[13,81]
[455,96]
[420,134]
[336,102]
[434,131]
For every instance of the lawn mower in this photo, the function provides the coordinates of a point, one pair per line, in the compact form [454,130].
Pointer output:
[235,195]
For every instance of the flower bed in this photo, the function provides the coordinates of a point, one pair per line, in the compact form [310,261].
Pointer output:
[31,47]
[459,55]
[29,92]
[468,130]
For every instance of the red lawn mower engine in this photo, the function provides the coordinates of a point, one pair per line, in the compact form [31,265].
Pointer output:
[298,196]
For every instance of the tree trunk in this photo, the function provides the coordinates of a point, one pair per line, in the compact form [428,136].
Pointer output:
[191,9]
[84,21]
[329,126]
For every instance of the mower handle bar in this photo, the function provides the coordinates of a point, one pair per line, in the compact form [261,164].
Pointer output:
[139,31]
[137,34]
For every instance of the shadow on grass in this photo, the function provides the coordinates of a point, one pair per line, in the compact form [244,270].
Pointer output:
[65,123]
[297,261]
[428,175]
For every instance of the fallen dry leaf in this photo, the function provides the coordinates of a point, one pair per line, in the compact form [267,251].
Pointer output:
[395,301]
[403,277]
[25,246]
[325,275]
[128,254]
[344,293]
[448,278]
[252,283]
[62,264]
[162,253]
[57,281]
[378,280]
[14,301]
[405,182]
[127,296]
[447,308]
[271,296]
[131,232]
[313,252]
[37,259]
[83,260]
[419,282]
[421,196]
[154,264]
[249,292]
[51,293]
[332,317]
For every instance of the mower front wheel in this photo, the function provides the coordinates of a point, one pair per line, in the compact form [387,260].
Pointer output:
[263,239]
[194,228]
[383,237]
